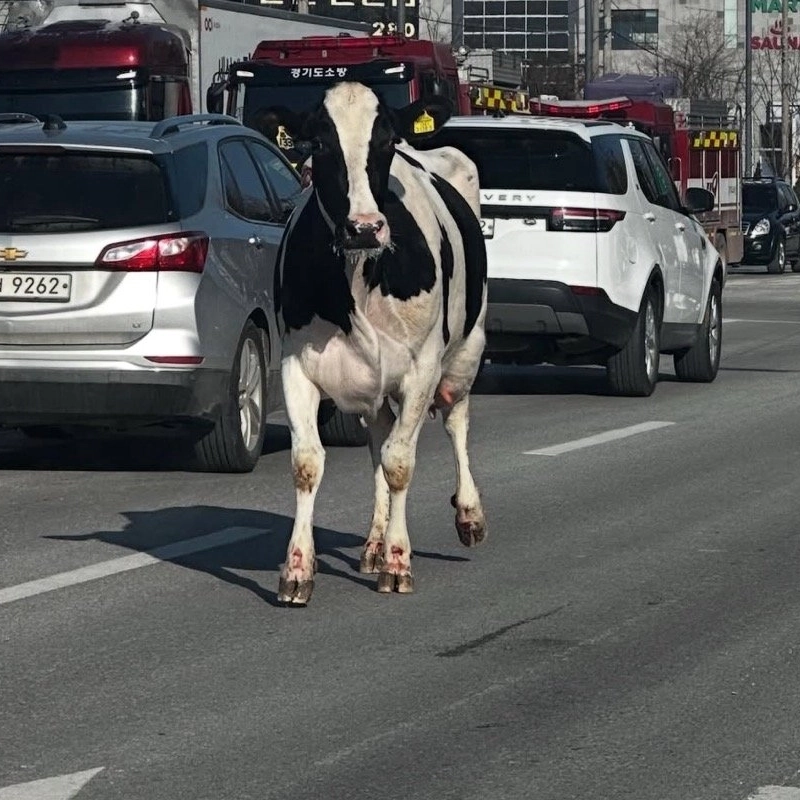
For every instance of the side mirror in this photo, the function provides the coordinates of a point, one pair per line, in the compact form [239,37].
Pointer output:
[699,200]
[215,98]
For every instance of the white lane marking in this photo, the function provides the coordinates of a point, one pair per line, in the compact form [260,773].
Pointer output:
[62,787]
[125,563]
[776,793]
[761,321]
[600,438]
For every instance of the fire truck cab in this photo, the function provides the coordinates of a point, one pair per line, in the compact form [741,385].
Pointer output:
[701,152]
[294,74]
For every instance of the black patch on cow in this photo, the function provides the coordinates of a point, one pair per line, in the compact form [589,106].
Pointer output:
[379,156]
[313,281]
[474,249]
[448,263]
[409,268]
[330,172]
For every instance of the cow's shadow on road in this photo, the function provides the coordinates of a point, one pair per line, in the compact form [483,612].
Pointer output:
[264,552]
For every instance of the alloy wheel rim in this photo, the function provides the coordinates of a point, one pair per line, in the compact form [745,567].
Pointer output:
[251,398]
[713,329]
[650,341]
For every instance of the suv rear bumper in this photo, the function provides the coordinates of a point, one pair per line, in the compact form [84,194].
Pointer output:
[109,397]
[519,310]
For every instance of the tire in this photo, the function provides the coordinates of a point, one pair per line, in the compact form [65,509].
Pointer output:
[633,371]
[700,363]
[236,438]
[337,429]
[778,264]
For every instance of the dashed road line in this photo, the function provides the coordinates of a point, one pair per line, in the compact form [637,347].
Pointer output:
[600,438]
[62,787]
[103,569]
[776,793]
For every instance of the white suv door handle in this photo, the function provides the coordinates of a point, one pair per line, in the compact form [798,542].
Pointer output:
[680,226]
[649,216]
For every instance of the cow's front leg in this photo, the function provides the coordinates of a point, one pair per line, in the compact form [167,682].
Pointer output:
[308,464]
[470,520]
[378,429]
[398,458]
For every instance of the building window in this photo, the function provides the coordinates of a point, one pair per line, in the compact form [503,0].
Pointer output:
[634,30]
[521,26]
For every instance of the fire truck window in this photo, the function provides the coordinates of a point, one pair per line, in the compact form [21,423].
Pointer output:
[645,177]
[245,193]
[283,181]
[611,163]
[191,164]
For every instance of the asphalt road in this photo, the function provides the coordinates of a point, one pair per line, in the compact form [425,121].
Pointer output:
[629,629]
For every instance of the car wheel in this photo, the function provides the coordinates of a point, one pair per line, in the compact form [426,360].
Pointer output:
[633,371]
[235,441]
[778,263]
[337,429]
[700,363]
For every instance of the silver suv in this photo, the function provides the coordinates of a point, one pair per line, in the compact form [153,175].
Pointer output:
[136,276]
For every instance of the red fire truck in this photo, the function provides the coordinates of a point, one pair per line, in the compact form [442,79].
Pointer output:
[700,151]
[294,74]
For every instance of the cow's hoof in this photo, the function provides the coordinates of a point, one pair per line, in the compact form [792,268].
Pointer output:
[371,560]
[294,593]
[389,582]
[470,531]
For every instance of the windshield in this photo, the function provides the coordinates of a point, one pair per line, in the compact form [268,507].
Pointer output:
[758,198]
[526,159]
[119,102]
[80,191]
[306,96]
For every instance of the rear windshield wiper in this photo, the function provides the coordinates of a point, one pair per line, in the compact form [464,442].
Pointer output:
[60,221]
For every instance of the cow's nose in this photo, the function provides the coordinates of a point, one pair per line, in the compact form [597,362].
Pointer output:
[358,227]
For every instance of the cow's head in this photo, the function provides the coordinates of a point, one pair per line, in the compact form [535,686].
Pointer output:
[353,136]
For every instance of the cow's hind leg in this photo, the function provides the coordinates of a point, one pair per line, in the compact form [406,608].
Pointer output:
[398,458]
[470,520]
[378,428]
[308,463]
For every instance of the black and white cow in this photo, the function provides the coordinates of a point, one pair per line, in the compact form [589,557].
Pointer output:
[381,291]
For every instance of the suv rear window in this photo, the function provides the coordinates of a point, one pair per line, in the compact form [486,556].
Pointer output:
[759,197]
[46,192]
[533,159]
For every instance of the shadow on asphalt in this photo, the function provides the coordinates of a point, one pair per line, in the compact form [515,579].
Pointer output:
[148,530]
[546,380]
[156,449]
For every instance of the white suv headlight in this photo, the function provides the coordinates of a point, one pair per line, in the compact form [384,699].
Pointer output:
[761,228]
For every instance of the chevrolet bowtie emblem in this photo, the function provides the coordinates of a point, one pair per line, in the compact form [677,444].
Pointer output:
[12,254]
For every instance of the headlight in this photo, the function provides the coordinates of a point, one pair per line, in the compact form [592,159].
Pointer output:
[761,228]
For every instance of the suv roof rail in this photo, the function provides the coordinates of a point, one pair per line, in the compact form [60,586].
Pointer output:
[17,118]
[173,124]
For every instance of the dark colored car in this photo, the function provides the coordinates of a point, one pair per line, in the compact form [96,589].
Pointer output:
[771,224]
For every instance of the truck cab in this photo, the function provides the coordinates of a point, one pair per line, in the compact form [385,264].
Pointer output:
[95,69]
[293,75]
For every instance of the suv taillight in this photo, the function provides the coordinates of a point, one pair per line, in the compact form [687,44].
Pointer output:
[175,252]
[585,220]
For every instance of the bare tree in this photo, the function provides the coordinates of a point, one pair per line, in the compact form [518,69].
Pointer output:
[694,51]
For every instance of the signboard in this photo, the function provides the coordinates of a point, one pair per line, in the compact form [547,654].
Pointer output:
[771,39]
[381,16]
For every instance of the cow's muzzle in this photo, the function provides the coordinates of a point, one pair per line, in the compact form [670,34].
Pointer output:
[366,232]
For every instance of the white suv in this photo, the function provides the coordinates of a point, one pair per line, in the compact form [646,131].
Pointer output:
[593,258]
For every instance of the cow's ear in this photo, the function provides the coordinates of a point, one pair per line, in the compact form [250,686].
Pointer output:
[422,118]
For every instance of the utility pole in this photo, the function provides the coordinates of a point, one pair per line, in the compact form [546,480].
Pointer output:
[401,17]
[786,153]
[588,19]
[748,89]
[606,36]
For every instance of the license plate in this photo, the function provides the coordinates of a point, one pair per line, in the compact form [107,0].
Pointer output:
[487,227]
[35,286]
